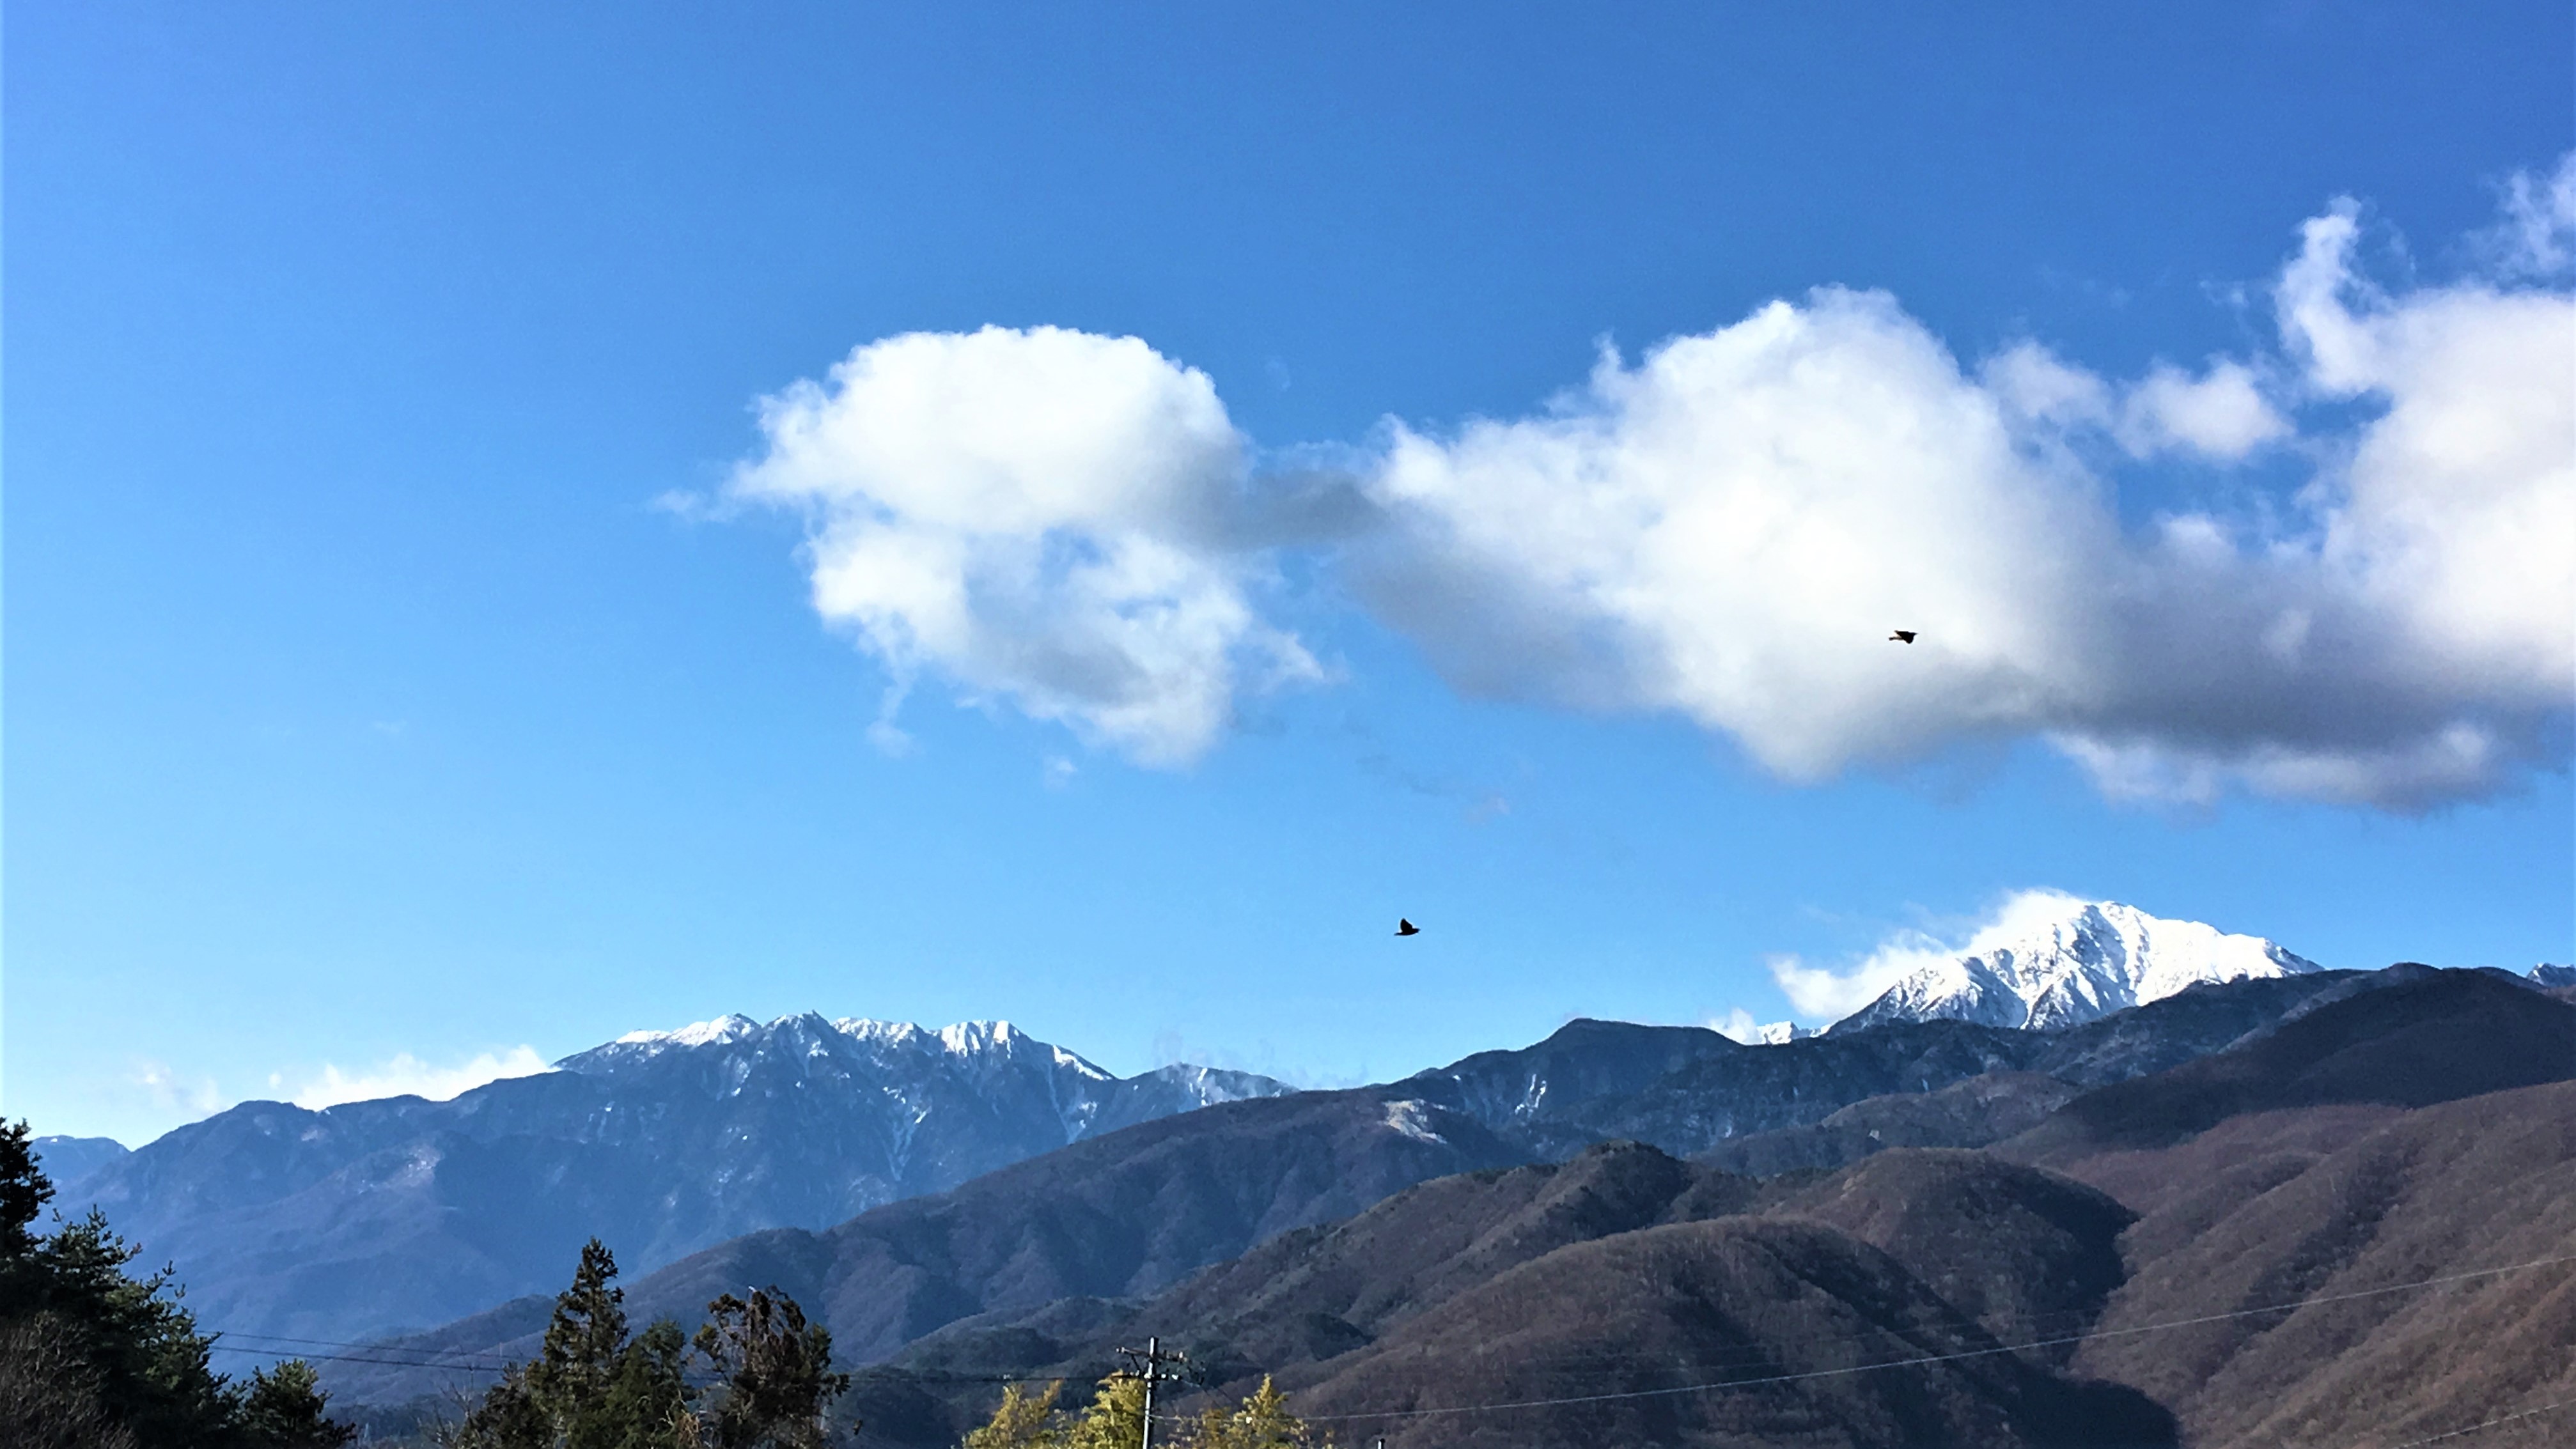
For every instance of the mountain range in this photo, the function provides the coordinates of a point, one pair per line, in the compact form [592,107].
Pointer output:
[1133,1211]
[938,1197]
[1382,1253]
[368,1217]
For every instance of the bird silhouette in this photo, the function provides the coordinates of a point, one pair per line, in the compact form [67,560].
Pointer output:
[1901,636]
[1404,927]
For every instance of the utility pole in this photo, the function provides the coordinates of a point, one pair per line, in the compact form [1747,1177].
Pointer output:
[1153,1356]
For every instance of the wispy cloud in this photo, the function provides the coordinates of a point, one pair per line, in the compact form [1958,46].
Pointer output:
[406,1075]
[1824,993]
[171,1091]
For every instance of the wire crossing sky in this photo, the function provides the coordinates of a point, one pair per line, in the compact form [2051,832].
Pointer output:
[526,526]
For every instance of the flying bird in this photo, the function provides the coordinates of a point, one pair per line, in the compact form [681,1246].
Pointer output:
[1901,636]
[1404,927]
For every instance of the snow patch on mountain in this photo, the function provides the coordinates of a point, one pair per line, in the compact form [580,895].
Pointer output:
[2051,960]
[1739,1026]
[964,1042]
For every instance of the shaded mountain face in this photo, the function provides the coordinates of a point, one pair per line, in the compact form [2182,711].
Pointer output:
[1119,1216]
[2428,1036]
[366,1217]
[1621,1272]
[1688,1091]
[68,1160]
[2070,962]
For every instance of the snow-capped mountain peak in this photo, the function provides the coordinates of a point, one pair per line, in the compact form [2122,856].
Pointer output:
[2053,960]
[728,1028]
[964,1041]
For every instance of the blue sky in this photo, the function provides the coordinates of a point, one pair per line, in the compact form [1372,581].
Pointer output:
[422,651]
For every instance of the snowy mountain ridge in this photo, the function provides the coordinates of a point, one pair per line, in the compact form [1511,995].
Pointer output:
[2055,961]
[661,1142]
[964,1041]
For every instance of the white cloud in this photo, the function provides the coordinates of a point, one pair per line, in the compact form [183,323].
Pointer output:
[1727,527]
[1820,993]
[1037,516]
[1730,528]
[407,1075]
[2221,414]
[1824,994]
[2538,233]
[170,1092]
[1738,1025]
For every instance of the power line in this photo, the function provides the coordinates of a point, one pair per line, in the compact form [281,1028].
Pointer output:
[2489,1424]
[379,1346]
[1153,1356]
[343,1358]
[1924,1359]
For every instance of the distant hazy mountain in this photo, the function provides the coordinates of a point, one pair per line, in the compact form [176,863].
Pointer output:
[371,1216]
[2079,962]
[67,1160]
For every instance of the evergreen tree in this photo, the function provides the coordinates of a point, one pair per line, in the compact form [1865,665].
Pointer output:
[776,1370]
[590,1386]
[584,1351]
[507,1417]
[283,1409]
[127,1363]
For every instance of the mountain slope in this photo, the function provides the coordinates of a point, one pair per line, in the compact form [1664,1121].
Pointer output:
[1580,1086]
[2483,1182]
[1120,1215]
[1772,1309]
[370,1216]
[2427,1037]
[1719,1096]
[1499,1286]
[68,1160]
[2055,961]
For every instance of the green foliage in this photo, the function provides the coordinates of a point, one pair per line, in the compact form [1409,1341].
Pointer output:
[590,1385]
[593,1387]
[1116,1420]
[1262,1421]
[98,1355]
[283,1409]
[1024,1421]
[777,1372]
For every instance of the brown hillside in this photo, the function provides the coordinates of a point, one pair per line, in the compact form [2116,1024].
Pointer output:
[1743,1301]
[2484,1182]
[2028,1254]
[2449,1035]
